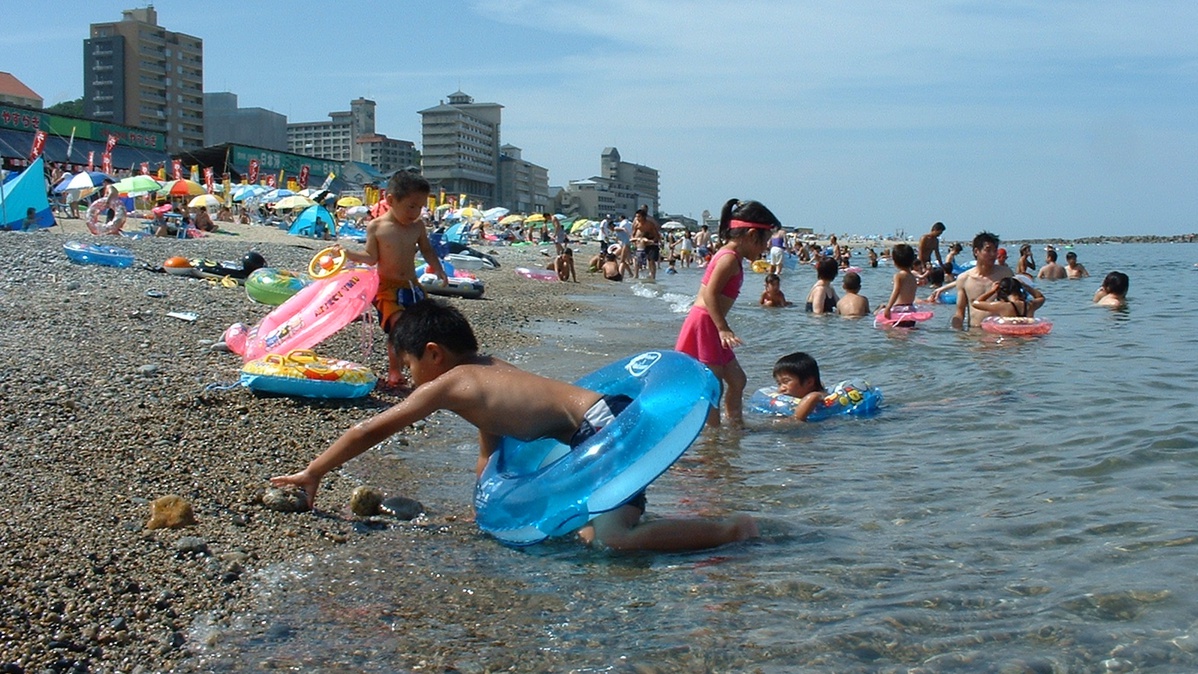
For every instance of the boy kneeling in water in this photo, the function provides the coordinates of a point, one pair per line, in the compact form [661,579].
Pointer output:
[437,344]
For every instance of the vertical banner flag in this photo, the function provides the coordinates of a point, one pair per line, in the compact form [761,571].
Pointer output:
[91,160]
[145,168]
[39,144]
[252,173]
[281,182]
[303,177]
[162,173]
[209,180]
[111,143]
[328,180]
[177,169]
[106,163]
[270,180]
[195,173]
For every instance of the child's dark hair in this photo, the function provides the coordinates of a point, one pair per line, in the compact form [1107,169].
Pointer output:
[983,238]
[852,281]
[827,269]
[903,256]
[1071,255]
[936,276]
[752,212]
[1011,286]
[1050,255]
[1116,283]
[938,227]
[432,321]
[403,183]
[798,365]
[772,278]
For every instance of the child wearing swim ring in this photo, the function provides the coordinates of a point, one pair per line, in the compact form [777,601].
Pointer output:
[1011,299]
[797,376]
[438,346]
[705,334]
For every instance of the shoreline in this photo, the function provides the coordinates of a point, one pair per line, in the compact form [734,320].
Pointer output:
[107,409]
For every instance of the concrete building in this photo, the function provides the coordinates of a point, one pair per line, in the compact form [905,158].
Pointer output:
[14,91]
[461,148]
[642,180]
[386,155]
[333,139]
[351,136]
[596,198]
[225,122]
[139,74]
[523,186]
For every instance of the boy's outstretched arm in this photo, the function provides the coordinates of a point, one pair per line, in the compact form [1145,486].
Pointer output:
[418,405]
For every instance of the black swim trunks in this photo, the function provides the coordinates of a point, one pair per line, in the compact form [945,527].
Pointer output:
[601,414]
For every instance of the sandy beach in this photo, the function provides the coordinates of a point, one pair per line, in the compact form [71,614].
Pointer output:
[107,407]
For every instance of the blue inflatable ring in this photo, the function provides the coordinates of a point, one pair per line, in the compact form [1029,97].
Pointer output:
[846,398]
[530,491]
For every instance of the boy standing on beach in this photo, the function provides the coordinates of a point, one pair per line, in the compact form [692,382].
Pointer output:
[439,347]
[392,240]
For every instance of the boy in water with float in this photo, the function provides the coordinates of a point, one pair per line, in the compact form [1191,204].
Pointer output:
[438,346]
[392,240]
[797,376]
[905,282]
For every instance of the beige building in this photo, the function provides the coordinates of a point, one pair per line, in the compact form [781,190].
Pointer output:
[460,148]
[140,74]
[642,181]
[523,186]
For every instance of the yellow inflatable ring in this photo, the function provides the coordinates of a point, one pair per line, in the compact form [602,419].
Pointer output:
[760,266]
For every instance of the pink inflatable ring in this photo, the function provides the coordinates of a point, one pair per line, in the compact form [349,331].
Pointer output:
[1000,325]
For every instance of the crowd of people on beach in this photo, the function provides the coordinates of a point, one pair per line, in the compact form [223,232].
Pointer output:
[446,369]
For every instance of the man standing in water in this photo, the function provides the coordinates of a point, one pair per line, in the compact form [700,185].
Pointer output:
[930,243]
[973,283]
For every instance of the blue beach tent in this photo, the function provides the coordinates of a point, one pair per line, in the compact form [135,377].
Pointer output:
[23,192]
[305,224]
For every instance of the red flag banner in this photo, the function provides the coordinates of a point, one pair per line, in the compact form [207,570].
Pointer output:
[106,163]
[270,180]
[209,180]
[145,168]
[91,160]
[251,175]
[111,143]
[177,168]
[303,177]
[39,144]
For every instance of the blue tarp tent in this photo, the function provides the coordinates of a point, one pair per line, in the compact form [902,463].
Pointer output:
[305,224]
[26,191]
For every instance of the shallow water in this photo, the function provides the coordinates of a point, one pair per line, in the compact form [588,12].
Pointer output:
[1019,505]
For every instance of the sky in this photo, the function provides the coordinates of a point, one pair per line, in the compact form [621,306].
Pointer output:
[1043,118]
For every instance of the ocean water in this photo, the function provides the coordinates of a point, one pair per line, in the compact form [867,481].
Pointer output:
[1020,505]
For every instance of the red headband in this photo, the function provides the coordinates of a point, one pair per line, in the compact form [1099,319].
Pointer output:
[741,224]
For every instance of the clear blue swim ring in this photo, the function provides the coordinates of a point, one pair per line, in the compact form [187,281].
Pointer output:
[530,491]
[846,398]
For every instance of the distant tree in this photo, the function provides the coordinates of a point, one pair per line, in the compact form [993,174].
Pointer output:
[70,108]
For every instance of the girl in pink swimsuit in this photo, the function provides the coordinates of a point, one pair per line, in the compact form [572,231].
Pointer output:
[745,228]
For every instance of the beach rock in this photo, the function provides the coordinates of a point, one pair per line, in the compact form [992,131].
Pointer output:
[191,545]
[285,500]
[170,512]
[401,507]
[365,501]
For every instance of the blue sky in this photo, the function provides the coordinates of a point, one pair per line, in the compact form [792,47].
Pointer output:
[1038,118]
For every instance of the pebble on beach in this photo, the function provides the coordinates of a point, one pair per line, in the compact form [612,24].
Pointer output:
[170,512]
[402,507]
[285,500]
[364,501]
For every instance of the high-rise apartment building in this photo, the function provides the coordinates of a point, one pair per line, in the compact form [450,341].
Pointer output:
[140,74]
[333,138]
[523,186]
[642,181]
[461,147]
